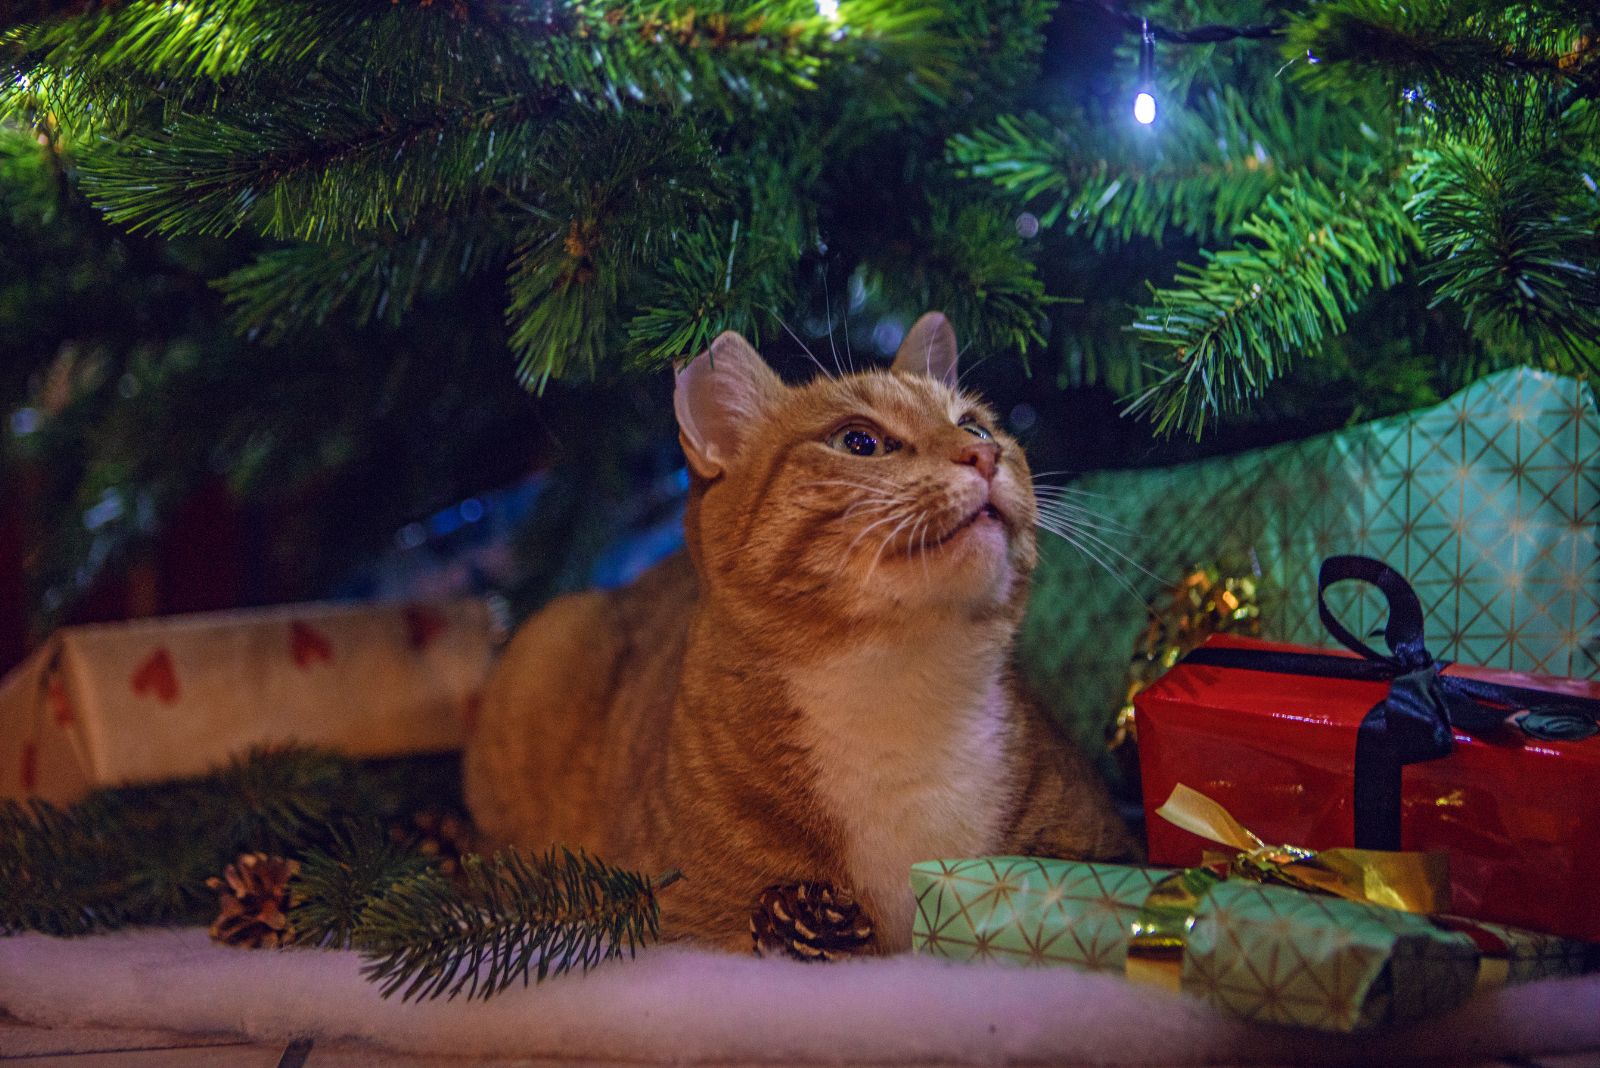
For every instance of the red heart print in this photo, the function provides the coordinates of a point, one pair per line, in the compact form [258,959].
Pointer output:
[423,624]
[56,698]
[307,645]
[157,676]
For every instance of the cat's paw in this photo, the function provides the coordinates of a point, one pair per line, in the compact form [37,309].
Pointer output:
[809,921]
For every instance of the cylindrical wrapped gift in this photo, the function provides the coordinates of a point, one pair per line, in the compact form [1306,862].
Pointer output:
[1263,952]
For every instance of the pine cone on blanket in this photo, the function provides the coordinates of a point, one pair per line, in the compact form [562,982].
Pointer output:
[254,893]
[809,921]
[441,835]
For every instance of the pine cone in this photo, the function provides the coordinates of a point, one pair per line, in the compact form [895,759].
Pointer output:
[809,921]
[441,835]
[254,893]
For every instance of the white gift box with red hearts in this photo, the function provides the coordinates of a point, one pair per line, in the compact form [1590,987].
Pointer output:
[158,699]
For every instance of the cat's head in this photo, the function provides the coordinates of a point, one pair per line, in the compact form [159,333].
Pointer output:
[853,499]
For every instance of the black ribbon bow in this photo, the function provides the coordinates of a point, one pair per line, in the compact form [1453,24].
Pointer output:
[1414,721]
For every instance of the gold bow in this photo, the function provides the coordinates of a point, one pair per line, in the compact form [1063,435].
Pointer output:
[1415,882]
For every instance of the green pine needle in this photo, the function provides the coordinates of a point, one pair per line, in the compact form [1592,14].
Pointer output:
[1513,237]
[1237,322]
[511,918]
[337,883]
[141,855]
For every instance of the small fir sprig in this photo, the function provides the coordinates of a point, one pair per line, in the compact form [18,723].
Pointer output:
[337,883]
[142,855]
[509,918]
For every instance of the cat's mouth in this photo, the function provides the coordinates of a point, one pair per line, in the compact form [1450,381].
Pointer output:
[988,512]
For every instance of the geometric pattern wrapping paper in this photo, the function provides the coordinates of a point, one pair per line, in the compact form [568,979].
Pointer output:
[1261,952]
[1488,503]
[1029,910]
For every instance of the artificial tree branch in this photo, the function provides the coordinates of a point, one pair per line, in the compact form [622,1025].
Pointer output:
[1210,33]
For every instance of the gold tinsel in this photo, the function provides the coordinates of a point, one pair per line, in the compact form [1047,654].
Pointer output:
[1206,601]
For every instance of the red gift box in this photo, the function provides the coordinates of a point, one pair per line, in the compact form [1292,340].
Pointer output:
[1519,816]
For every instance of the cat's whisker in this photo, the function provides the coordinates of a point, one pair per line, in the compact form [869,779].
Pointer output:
[844,314]
[965,371]
[883,545]
[1074,490]
[1083,538]
[864,531]
[868,508]
[922,551]
[1067,497]
[1079,523]
[1105,564]
[803,347]
[1084,517]
[1090,528]
[1059,525]
[827,307]
[884,484]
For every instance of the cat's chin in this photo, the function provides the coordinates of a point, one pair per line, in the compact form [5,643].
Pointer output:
[969,566]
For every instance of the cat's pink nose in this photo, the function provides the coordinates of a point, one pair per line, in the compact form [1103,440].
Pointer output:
[984,455]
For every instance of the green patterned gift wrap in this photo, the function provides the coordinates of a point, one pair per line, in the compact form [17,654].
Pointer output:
[1262,952]
[1489,503]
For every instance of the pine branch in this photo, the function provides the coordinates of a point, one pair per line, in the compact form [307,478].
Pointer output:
[337,884]
[1513,238]
[970,263]
[1237,322]
[1446,53]
[718,278]
[605,211]
[1135,22]
[142,854]
[1212,165]
[512,918]
[714,54]
[321,174]
[58,870]
[372,278]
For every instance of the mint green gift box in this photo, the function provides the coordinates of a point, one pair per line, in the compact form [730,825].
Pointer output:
[1489,503]
[1262,952]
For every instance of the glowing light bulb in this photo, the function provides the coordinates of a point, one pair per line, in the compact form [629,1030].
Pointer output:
[828,9]
[1144,108]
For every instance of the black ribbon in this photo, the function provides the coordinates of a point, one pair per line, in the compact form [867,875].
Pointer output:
[1414,721]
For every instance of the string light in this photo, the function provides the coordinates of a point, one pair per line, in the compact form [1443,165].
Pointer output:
[1144,108]
[1144,102]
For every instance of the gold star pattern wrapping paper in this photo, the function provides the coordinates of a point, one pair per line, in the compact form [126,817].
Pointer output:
[1258,951]
[1488,502]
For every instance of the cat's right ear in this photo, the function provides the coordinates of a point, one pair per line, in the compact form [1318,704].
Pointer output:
[719,397]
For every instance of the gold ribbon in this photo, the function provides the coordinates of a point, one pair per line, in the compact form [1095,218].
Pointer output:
[1414,882]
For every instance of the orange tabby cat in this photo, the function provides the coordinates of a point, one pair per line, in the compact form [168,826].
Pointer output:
[822,689]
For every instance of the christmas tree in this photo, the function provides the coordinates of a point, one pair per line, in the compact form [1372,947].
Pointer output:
[1335,210]
[377,228]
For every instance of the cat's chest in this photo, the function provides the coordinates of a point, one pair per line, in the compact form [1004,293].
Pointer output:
[910,760]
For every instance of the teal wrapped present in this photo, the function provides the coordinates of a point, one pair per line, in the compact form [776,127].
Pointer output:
[1488,502]
[1262,952]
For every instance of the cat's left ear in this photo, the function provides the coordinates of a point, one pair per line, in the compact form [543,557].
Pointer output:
[719,397]
[929,349]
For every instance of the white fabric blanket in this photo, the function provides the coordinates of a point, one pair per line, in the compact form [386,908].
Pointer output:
[673,1005]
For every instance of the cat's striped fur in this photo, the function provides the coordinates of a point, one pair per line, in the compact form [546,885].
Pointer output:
[821,688]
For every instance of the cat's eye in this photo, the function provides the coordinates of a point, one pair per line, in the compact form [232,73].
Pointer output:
[862,439]
[975,428]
